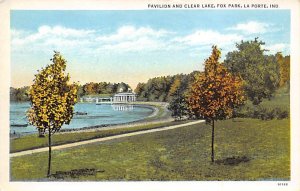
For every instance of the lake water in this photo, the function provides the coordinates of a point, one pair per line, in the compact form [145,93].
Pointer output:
[104,114]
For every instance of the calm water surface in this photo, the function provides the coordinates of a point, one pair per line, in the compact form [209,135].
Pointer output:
[96,115]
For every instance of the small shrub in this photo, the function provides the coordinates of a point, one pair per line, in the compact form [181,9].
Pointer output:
[281,114]
[267,114]
[262,113]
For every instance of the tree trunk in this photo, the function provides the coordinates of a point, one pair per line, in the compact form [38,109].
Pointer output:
[49,155]
[212,141]
[41,133]
[233,114]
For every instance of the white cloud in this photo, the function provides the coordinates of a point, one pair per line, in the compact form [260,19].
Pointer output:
[251,27]
[129,38]
[64,32]
[134,45]
[128,32]
[46,33]
[17,33]
[274,48]
[125,39]
[208,38]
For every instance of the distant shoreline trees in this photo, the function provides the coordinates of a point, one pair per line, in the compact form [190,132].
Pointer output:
[19,94]
[160,88]
[91,88]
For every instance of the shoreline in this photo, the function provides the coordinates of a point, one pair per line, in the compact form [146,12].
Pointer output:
[145,121]
[159,114]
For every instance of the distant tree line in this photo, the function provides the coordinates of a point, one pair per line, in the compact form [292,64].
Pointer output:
[162,88]
[102,88]
[19,94]
[261,74]
[91,88]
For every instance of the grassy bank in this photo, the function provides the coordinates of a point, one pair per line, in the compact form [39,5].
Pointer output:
[162,112]
[33,141]
[179,154]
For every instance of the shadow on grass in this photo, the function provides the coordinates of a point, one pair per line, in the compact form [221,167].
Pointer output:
[76,173]
[233,161]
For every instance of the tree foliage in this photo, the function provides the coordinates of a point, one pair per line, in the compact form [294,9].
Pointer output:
[215,93]
[178,105]
[140,89]
[159,88]
[175,87]
[92,88]
[52,99]
[284,68]
[19,94]
[259,71]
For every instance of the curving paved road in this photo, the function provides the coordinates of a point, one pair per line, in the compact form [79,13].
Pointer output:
[69,145]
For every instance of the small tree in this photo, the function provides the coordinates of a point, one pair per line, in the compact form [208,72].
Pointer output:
[215,93]
[52,99]
[178,105]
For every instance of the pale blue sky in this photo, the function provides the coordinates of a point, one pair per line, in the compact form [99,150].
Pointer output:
[133,46]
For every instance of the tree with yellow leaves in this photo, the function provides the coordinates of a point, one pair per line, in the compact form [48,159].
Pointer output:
[52,99]
[284,68]
[215,93]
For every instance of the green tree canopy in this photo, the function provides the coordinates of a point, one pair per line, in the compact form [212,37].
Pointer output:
[159,88]
[93,88]
[259,71]
[178,105]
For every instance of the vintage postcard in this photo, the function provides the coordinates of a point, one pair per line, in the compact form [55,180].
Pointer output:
[179,95]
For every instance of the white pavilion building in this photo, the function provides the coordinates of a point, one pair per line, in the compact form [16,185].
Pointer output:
[124,97]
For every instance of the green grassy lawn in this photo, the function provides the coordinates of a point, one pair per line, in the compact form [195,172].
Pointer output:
[280,100]
[33,141]
[178,154]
